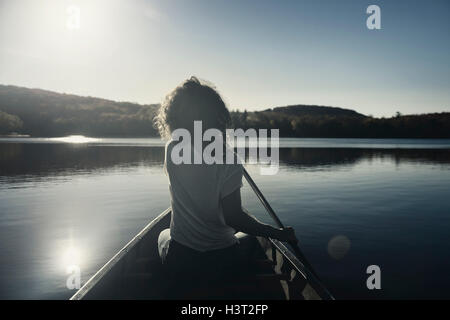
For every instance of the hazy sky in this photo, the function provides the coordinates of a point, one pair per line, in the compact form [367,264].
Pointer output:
[259,54]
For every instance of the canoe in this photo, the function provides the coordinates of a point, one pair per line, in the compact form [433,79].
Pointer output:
[136,272]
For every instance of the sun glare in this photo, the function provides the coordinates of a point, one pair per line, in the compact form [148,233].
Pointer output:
[73,17]
[75,139]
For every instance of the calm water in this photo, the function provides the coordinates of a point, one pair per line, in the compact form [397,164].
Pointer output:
[353,203]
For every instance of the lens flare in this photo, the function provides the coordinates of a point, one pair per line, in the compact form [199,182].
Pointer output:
[338,247]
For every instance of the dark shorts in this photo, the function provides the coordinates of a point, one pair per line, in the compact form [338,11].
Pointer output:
[188,270]
[211,265]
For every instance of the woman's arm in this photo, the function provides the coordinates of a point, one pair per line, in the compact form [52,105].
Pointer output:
[237,218]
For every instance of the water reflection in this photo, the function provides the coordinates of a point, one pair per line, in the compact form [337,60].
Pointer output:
[77,204]
[302,157]
[17,159]
[65,159]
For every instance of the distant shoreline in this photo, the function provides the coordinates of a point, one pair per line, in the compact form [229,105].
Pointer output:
[27,136]
[16,136]
[285,144]
[39,113]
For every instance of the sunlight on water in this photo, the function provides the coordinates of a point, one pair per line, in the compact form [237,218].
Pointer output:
[75,139]
[72,256]
[66,209]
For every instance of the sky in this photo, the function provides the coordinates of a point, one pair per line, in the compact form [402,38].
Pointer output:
[258,54]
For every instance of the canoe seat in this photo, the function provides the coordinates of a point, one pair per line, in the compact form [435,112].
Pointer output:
[272,276]
[263,263]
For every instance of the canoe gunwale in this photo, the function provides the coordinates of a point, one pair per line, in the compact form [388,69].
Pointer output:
[315,283]
[121,254]
[79,295]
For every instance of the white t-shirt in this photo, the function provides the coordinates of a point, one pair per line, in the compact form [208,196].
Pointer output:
[196,191]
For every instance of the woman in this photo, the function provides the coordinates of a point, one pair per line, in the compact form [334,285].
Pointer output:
[205,198]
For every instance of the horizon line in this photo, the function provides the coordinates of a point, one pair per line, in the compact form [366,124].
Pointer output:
[231,109]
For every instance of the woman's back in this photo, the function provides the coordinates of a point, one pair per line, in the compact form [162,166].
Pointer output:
[196,193]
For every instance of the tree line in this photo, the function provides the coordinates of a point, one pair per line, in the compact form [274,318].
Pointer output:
[432,125]
[43,113]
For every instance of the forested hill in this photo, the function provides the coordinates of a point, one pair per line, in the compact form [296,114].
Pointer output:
[309,110]
[43,113]
[330,122]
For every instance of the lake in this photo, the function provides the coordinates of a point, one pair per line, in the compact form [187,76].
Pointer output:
[353,203]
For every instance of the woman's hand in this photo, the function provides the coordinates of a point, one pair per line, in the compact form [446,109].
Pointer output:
[240,220]
[287,235]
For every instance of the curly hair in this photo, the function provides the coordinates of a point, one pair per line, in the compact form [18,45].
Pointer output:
[189,102]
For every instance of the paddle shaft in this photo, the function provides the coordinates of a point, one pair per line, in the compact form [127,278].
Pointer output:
[272,213]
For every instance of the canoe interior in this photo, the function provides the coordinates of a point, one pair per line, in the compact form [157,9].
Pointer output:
[136,272]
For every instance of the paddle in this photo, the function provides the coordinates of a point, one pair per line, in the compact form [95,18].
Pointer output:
[272,213]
